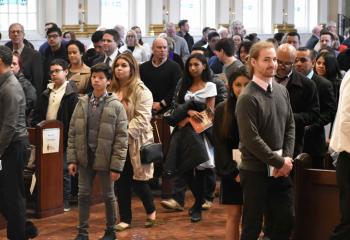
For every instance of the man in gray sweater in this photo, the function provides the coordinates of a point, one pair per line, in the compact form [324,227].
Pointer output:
[266,129]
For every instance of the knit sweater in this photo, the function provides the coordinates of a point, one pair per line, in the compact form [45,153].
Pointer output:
[161,80]
[266,124]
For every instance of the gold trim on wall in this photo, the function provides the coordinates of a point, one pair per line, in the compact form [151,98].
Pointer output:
[284,28]
[155,29]
[85,30]
[225,25]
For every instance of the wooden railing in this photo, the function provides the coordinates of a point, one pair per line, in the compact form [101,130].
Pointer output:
[316,201]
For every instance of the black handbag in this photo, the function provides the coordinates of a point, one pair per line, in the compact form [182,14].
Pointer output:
[152,152]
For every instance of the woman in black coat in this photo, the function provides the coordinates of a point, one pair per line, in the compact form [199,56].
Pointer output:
[226,140]
[190,151]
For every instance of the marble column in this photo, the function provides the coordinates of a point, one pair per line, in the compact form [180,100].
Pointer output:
[93,11]
[224,12]
[70,12]
[155,16]
[174,11]
[53,11]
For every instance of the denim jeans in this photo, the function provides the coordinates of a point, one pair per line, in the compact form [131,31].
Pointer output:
[86,178]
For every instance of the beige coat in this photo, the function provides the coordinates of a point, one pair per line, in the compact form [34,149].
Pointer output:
[139,112]
[81,79]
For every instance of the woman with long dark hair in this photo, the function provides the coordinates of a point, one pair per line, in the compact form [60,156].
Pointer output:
[243,51]
[226,140]
[327,66]
[190,151]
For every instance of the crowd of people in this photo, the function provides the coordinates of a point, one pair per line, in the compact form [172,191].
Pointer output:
[264,102]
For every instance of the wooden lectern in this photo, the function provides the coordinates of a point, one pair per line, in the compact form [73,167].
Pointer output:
[49,168]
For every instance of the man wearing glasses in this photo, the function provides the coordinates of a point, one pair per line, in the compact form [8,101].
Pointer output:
[315,138]
[57,102]
[302,92]
[29,57]
[56,50]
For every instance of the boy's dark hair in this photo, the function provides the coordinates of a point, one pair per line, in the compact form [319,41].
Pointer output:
[293,34]
[253,37]
[51,23]
[6,55]
[114,33]
[54,29]
[97,36]
[182,22]
[77,43]
[199,48]
[213,34]
[227,45]
[102,67]
[61,62]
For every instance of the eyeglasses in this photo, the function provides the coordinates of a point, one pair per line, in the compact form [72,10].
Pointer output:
[302,60]
[16,31]
[130,36]
[52,36]
[55,71]
[285,64]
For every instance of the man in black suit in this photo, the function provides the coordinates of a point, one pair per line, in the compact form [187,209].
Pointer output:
[302,92]
[315,139]
[31,62]
[313,40]
[110,39]
[184,32]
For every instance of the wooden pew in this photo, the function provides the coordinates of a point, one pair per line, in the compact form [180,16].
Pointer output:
[316,201]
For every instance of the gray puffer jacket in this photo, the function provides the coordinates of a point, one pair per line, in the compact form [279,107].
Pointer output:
[112,141]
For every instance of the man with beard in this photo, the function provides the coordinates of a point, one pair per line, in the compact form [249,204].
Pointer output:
[266,128]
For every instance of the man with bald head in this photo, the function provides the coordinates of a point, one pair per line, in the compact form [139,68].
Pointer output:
[160,75]
[313,40]
[302,92]
[31,62]
[181,46]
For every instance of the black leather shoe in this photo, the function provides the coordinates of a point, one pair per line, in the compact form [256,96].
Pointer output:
[109,235]
[81,237]
[196,216]
[190,211]
[31,231]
